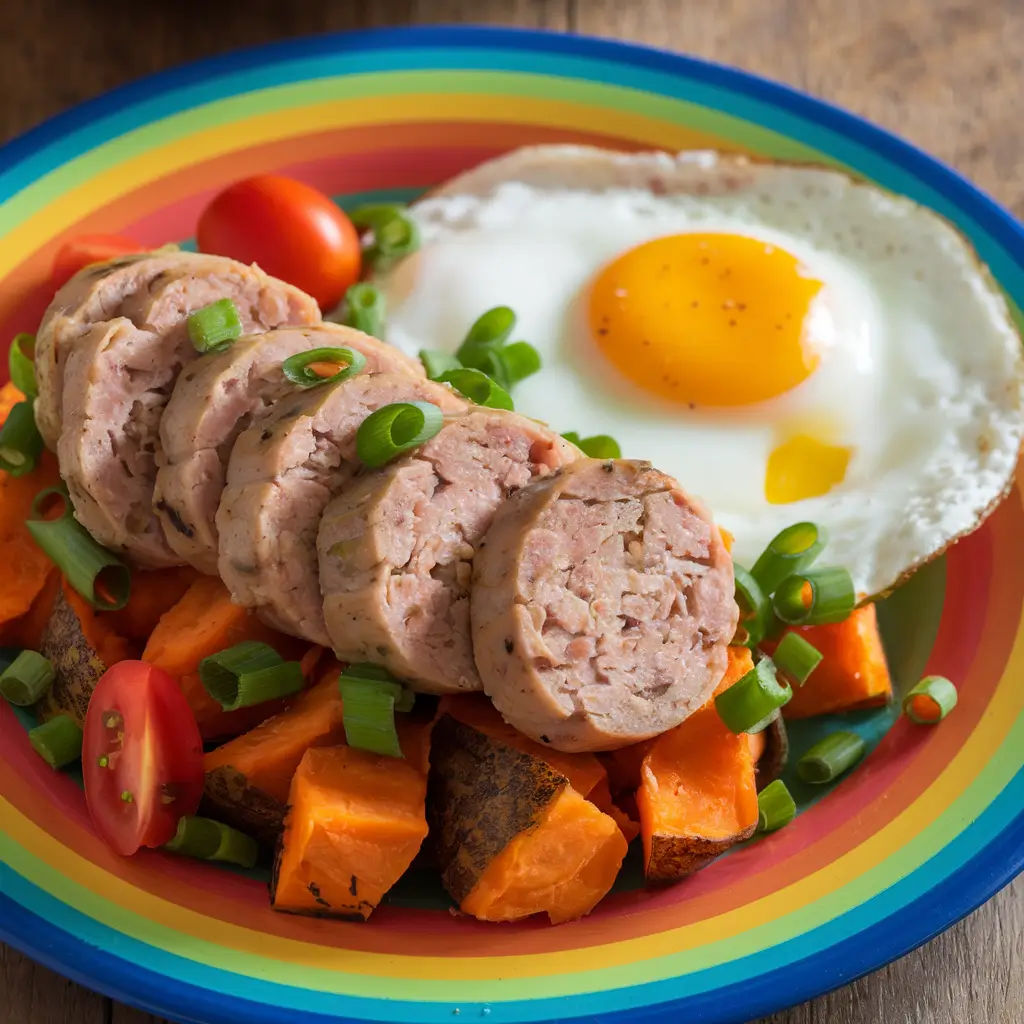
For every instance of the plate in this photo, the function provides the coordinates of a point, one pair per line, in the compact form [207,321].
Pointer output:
[928,827]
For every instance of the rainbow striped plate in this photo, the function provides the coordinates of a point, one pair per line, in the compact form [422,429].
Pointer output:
[926,829]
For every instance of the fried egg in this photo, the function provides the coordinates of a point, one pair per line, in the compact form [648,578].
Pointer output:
[789,343]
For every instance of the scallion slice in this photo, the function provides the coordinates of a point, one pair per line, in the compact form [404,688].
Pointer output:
[322,366]
[364,309]
[572,437]
[487,359]
[750,703]
[775,807]
[370,696]
[490,330]
[927,703]
[754,607]
[478,388]
[815,597]
[206,839]
[21,444]
[214,327]
[249,673]
[796,659]
[20,363]
[58,741]
[27,679]
[435,362]
[395,233]
[600,446]
[521,360]
[830,757]
[103,580]
[396,428]
[793,550]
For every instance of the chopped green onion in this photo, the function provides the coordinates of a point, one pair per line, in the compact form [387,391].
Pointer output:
[600,446]
[793,550]
[214,327]
[364,309]
[815,597]
[775,807]
[830,757]
[58,742]
[796,659]
[478,388]
[572,437]
[395,233]
[368,672]
[20,363]
[206,839]
[323,366]
[521,360]
[369,703]
[927,703]
[27,679]
[490,330]
[103,580]
[754,607]
[396,428]
[435,362]
[21,444]
[487,360]
[751,702]
[249,673]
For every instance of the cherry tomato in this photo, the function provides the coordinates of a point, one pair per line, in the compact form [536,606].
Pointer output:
[292,230]
[79,252]
[142,757]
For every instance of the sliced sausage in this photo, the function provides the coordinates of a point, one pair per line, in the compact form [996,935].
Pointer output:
[118,372]
[281,476]
[602,606]
[215,399]
[396,546]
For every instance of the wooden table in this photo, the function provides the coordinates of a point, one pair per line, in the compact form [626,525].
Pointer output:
[945,74]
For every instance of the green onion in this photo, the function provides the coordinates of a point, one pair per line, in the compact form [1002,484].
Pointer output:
[754,607]
[478,388]
[436,362]
[775,807]
[487,360]
[927,703]
[21,365]
[214,327]
[395,233]
[21,444]
[749,705]
[313,368]
[249,673]
[103,580]
[815,597]
[572,437]
[521,360]
[396,428]
[490,330]
[830,757]
[796,659]
[206,839]
[27,679]
[370,697]
[364,309]
[600,446]
[58,742]
[793,550]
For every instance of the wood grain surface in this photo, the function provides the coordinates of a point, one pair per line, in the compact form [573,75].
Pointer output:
[945,74]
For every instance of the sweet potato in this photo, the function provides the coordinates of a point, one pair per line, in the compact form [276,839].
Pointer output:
[697,796]
[513,837]
[28,630]
[10,396]
[80,644]
[601,797]
[153,595]
[853,673]
[355,823]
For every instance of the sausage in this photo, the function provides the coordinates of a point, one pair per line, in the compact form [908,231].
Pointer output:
[121,349]
[602,606]
[281,476]
[215,399]
[396,547]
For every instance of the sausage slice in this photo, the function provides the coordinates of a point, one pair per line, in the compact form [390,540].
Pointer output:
[602,606]
[396,546]
[281,476]
[215,399]
[112,361]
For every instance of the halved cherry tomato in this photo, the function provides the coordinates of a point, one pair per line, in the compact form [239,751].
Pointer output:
[142,757]
[83,250]
[292,230]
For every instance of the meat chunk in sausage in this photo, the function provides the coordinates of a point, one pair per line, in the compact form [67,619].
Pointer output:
[281,476]
[396,546]
[112,361]
[215,399]
[602,606]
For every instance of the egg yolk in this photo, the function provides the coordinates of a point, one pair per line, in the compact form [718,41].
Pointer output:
[803,467]
[706,319]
